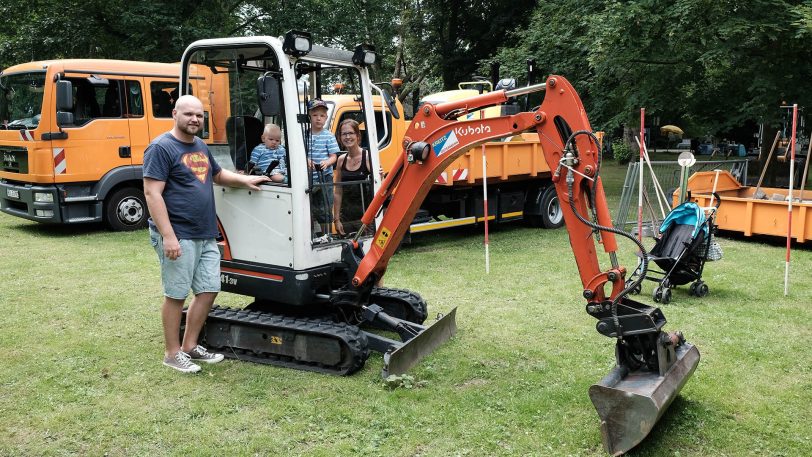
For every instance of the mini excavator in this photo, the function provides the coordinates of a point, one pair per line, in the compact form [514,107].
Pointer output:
[315,296]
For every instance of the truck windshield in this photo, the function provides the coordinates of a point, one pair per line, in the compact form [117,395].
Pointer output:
[21,100]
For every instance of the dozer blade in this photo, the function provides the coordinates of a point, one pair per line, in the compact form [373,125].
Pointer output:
[629,404]
[405,356]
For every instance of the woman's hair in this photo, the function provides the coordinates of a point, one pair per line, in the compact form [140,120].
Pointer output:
[355,128]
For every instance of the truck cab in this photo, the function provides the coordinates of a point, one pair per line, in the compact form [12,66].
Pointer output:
[73,134]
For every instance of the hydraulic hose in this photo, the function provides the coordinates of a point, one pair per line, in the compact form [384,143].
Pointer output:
[644,254]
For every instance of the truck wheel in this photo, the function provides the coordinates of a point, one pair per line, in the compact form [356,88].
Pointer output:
[551,214]
[126,209]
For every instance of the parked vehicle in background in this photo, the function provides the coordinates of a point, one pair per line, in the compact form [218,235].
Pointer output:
[519,180]
[73,134]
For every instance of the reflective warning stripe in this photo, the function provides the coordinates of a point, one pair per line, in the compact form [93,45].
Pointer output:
[60,165]
[25,135]
[442,179]
[460,174]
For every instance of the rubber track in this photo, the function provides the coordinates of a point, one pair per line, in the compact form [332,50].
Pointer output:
[353,342]
[401,303]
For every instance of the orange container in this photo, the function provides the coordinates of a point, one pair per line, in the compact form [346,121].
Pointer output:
[741,212]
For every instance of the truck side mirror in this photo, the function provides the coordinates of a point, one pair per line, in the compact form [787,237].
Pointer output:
[64,103]
[390,103]
[268,95]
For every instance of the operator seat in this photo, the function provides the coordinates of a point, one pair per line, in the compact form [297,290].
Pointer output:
[112,105]
[510,107]
[243,134]
[87,107]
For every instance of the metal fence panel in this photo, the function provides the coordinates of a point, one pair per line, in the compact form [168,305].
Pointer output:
[668,175]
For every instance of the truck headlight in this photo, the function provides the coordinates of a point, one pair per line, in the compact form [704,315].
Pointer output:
[43,197]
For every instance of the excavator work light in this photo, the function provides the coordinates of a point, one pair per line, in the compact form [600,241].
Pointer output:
[297,43]
[364,55]
[418,151]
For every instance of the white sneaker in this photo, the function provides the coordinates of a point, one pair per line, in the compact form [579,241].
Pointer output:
[181,362]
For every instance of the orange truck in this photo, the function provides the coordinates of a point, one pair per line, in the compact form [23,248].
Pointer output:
[73,134]
[519,180]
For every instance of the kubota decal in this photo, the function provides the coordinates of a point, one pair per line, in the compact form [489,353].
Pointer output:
[383,238]
[198,162]
[469,130]
[446,142]
[60,164]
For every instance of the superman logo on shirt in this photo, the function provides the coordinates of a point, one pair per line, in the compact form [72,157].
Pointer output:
[198,163]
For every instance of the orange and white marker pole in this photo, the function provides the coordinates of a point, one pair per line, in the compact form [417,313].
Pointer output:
[640,185]
[789,204]
[485,209]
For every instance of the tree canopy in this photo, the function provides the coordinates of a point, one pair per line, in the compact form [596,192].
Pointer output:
[706,66]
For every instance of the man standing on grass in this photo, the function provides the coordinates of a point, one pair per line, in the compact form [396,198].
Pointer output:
[178,174]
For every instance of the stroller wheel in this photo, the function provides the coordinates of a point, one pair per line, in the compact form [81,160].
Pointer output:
[657,294]
[702,289]
[692,290]
[666,296]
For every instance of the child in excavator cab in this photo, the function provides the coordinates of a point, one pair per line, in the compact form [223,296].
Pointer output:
[322,156]
[268,151]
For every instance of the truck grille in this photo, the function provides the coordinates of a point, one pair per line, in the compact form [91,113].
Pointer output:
[14,159]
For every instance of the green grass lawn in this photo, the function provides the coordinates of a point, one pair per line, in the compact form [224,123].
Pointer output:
[81,350]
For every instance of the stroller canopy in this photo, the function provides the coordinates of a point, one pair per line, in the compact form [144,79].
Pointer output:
[688,213]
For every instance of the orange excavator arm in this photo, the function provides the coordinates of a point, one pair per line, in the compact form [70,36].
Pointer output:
[436,138]
[651,365]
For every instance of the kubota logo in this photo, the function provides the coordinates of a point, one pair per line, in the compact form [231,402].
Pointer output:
[198,163]
[469,130]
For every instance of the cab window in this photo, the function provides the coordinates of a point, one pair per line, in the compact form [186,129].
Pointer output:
[95,98]
[164,94]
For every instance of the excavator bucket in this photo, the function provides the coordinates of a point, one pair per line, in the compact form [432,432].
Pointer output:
[400,358]
[630,403]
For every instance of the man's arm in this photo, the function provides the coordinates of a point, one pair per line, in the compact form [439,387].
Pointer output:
[231,179]
[153,191]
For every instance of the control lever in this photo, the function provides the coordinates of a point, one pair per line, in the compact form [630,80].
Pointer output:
[274,163]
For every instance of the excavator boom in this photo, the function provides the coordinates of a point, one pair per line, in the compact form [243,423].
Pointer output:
[651,364]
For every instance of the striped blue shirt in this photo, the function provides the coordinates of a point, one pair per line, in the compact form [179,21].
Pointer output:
[262,157]
[322,146]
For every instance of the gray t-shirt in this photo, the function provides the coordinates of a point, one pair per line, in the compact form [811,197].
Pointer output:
[187,169]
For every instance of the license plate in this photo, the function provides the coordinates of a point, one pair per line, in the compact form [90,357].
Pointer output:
[12,193]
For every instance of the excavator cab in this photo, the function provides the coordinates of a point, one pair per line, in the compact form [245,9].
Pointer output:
[280,246]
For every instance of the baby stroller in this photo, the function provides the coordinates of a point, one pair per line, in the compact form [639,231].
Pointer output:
[681,251]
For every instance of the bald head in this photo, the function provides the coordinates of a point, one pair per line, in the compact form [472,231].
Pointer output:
[188,115]
[185,100]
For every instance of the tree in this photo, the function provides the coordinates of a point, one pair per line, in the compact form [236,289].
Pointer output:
[114,29]
[707,65]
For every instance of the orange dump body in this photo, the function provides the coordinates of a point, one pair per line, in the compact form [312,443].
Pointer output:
[741,212]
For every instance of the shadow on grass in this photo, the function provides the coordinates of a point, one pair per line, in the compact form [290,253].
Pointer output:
[465,234]
[59,230]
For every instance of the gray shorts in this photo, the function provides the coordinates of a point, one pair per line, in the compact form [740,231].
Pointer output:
[197,268]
